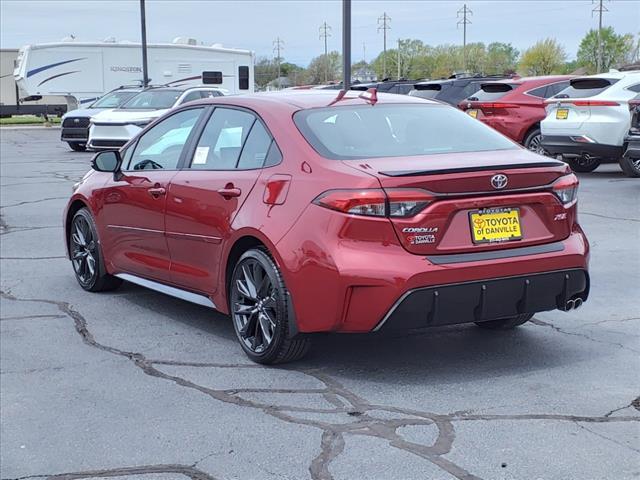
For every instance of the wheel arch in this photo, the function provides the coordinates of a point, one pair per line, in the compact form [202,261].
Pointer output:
[72,209]
[528,131]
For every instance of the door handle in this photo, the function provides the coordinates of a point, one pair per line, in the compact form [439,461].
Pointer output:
[230,192]
[156,192]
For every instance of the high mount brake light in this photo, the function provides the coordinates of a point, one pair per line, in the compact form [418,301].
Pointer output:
[566,189]
[494,105]
[374,202]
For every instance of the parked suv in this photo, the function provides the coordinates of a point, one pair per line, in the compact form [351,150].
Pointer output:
[114,128]
[402,87]
[587,122]
[630,161]
[515,107]
[75,124]
[450,90]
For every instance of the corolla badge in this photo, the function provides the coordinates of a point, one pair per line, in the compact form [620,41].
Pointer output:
[499,181]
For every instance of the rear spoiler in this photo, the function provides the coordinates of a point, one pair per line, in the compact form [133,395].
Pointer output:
[511,166]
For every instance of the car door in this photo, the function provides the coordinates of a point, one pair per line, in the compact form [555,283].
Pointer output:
[207,194]
[134,200]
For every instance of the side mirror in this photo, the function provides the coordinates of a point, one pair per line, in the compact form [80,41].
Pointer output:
[106,161]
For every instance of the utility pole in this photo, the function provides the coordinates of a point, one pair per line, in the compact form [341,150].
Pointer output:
[346,45]
[325,32]
[600,9]
[384,24]
[143,29]
[463,13]
[398,59]
[278,46]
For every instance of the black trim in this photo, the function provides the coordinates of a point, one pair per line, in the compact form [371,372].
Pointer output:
[484,300]
[565,145]
[633,146]
[483,168]
[494,255]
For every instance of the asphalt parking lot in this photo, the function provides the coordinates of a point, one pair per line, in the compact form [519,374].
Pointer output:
[134,384]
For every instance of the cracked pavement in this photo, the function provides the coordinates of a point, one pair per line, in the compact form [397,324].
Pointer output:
[134,384]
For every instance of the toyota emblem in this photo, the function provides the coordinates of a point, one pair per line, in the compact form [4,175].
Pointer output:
[499,181]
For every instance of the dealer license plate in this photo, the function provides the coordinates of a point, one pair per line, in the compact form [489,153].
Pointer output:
[495,225]
[562,113]
[473,113]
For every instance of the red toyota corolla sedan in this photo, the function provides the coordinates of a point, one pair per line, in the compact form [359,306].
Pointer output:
[304,212]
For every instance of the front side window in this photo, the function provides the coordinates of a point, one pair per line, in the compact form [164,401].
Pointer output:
[153,100]
[161,146]
[221,141]
[191,96]
[353,132]
[113,99]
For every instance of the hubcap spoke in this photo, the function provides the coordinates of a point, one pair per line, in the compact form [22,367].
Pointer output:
[265,327]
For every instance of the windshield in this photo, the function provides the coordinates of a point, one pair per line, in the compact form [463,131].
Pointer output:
[113,99]
[395,130]
[153,99]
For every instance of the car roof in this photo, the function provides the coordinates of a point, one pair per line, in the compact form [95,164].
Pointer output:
[305,99]
[532,81]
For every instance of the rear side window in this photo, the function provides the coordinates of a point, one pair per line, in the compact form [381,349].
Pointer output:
[255,149]
[492,91]
[243,78]
[635,88]
[586,87]
[353,132]
[221,141]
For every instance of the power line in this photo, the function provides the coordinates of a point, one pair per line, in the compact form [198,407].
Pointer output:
[462,15]
[599,9]
[325,32]
[278,46]
[384,24]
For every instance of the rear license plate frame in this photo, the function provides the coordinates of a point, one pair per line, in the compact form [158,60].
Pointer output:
[495,211]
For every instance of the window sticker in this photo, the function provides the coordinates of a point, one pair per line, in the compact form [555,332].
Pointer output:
[200,157]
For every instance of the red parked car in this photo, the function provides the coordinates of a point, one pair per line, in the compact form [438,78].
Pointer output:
[515,107]
[303,212]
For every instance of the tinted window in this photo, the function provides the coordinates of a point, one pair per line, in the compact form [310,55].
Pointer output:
[586,87]
[160,147]
[255,148]
[209,78]
[540,92]
[492,91]
[395,130]
[405,88]
[556,88]
[221,142]
[243,78]
[274,155]
[153,99]
[113,99]
[191,96]
[210,93]
[424,93]
[634,88]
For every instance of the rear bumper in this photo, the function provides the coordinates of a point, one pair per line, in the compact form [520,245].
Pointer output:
[567,146]
[486,299]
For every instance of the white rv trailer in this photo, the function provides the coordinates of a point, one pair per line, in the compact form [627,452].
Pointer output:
[85,71]
[9,101]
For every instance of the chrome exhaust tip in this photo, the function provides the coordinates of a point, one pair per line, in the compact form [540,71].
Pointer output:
[569,305]
[577,303]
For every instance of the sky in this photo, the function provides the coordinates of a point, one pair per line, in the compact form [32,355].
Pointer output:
[255,24]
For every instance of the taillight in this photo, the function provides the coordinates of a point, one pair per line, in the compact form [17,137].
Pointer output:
[373,202]
[594,103]
[566,189]
[497,105]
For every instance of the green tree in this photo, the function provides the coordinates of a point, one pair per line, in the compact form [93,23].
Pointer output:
[544,58]
[501,58]
[331,63]
[616,49]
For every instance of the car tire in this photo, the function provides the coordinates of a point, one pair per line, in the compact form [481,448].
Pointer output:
[86,255]
[583,165]
[506,323]
[77,147]
[630,166]
[260,310]
[532,141]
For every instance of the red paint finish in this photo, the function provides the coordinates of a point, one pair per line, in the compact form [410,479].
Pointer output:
[518,112]
[344,271]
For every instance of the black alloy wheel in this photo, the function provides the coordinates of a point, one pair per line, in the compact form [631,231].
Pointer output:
[85,255]
[584,164]
[260,310]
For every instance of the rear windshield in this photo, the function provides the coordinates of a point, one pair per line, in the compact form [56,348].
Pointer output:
[153,99]
[395,130]
[586,87]
[113,99]
[492,91]
[424,93]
